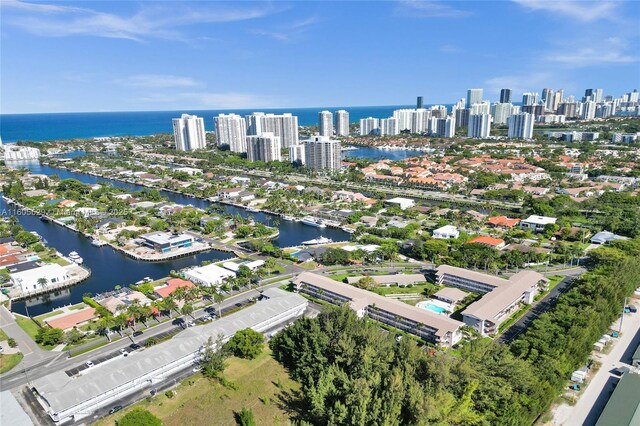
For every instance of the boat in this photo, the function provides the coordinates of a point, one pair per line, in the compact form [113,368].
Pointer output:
[348,230]
[37,235]
[312,221]
[75,258]
[147,279]
[253,210]
[288,218]
[98,243]
[321,240]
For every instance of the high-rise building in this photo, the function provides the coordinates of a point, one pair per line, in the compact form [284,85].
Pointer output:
[548,97]
[369,126]
[389,127]
[231,129]
[419,103]
[297,153]
[480,108]
[188,133]
[505,96]
[633,96]
[557,100]
[446,127]
[535,110]
[568,109]
[419,120]
[263,147]
[403,117]
[521,126]
[501,112]
[479,126]
[323,153]
[462,117]
[529,98]
[342,123]
[325,123]
[589,110]
[283,125]
[461,104]
[439,111]
[474,96]
[598,95]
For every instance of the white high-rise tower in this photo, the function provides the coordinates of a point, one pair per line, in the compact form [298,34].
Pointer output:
[188,133]
[325,123]
[231,130]
[342,123]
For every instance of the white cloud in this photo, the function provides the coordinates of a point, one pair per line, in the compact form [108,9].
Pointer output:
[157,81]
[586,11]
[155,21]
[612,50]
[288,33]
[208,100]
[521,83]
[428,9]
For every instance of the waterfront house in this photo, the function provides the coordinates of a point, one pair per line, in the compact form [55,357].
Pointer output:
[209,275]
[446,232]
[110,223]
[71,319]
[165,242]
[502,222]
[172,285]
[537,223]
[227,193]
[28,280]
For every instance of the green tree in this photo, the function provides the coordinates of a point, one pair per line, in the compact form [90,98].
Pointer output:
[245,417]
[246,343]
[139,417]
[214,358]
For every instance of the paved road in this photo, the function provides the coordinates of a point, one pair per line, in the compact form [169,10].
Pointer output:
[541,306]
[600,386]
[21,375]
[33,355]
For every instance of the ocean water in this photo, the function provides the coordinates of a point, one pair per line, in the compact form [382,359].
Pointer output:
[57,126]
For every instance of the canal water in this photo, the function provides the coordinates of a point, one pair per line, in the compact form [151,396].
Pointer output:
[110,268]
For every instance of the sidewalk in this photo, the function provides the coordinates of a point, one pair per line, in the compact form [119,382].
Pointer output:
[599,386]
[32,353]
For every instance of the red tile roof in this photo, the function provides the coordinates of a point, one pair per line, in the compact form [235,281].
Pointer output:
[172,285]
[503,221]
[489,241]
[72,319]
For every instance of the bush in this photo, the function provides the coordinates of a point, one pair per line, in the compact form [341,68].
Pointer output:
[12,342]
[169,394]
[139,417]
[245,417]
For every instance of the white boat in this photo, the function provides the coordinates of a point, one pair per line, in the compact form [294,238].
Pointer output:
[147,279]
[321,240]
[288,218]
[312,221]
[78,260]
[73,254]
[253,210]
[98,243]
[348,230]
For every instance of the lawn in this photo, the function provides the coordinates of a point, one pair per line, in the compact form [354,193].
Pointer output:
[3,335]
[31,328]
[415,288]
[47,315]
[7,362]
[198,401]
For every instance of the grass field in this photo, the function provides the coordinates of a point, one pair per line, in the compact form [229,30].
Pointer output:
[31,328]
[7,362]
[3,335]
[199,401]
[47,315]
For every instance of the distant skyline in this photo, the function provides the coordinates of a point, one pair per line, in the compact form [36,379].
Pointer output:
[151,56]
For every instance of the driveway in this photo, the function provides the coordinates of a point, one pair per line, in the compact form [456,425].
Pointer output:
[599,387]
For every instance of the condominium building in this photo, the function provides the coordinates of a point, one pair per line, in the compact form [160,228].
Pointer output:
[446,127]
[479,126]
[502,298]
[501,112]
[505,96]
[480,108]
[323,153]
[231,130]
[530,98]
[389,127]
[68,397]
[284,126]
[188,133]
[589,110]
[297,154]
[325,123]
[462,117]
[419,322]
[474,96]
[369,126]
[521,126]
[263,147]
[342,122]
[403,118]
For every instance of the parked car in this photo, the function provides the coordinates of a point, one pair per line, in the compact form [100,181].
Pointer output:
[90,364]
[115,409]
[137,333]
[124,352]
[135,346]
[191,324]
[632,308]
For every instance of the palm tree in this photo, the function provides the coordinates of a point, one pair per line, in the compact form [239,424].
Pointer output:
[121,322]
[187,309]
[42,282]
[103,325]
[218,298]
[169,305]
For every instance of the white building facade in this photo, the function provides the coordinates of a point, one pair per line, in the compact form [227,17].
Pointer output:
[188,133]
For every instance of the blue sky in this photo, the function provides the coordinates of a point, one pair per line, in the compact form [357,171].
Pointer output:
[125,56]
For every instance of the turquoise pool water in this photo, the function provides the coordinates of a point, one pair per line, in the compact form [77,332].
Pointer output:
[434,308]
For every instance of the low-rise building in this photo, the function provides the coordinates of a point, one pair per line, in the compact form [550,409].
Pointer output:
[39,277]
[71,319]
[403,203]
[452,296]
[419,322]
[209,275]
[537,223]
[623,407]
[388,280]
[603,237]
[171,286]
[70,398]
[446,232]
[496,243]
[165,242]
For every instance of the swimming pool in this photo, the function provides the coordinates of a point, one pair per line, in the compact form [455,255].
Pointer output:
[434,306]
